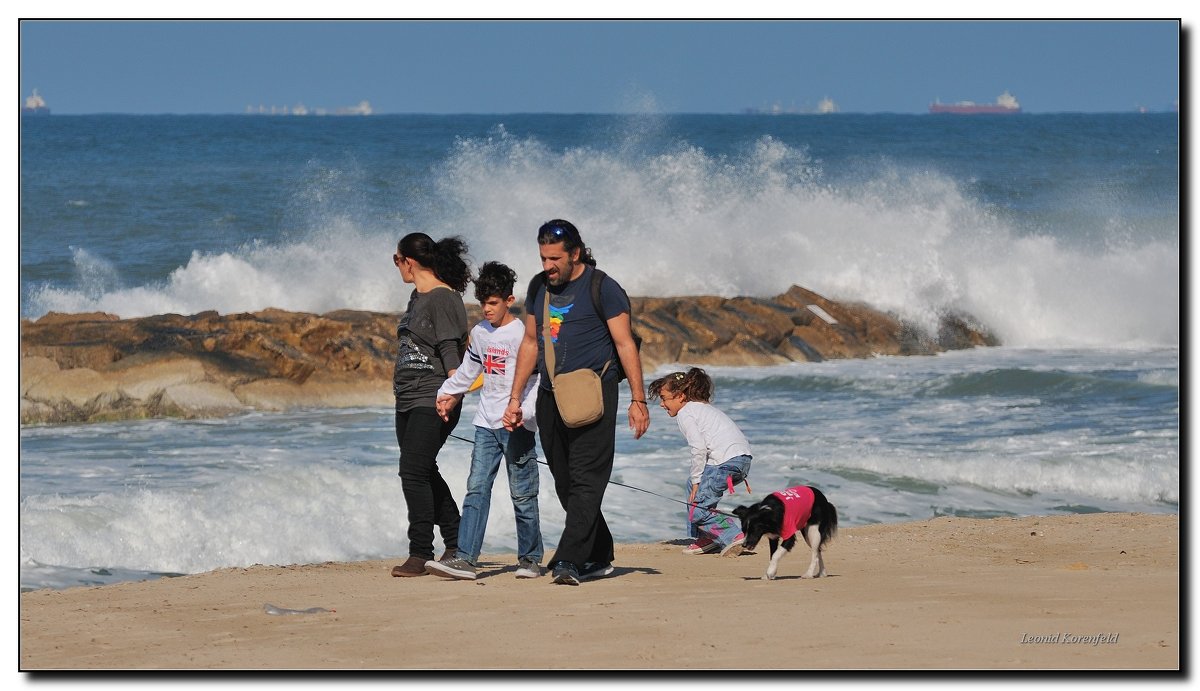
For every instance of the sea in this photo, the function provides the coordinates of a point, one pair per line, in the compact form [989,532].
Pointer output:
[1060,233]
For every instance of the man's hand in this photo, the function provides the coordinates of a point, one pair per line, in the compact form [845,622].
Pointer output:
[639,418]
[513,417]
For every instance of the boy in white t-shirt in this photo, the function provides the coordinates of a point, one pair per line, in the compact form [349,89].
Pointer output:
[492,352]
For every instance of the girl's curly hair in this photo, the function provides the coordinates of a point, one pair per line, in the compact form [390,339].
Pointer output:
[694,385]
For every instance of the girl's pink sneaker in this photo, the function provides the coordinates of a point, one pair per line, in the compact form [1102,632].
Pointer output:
[703,545]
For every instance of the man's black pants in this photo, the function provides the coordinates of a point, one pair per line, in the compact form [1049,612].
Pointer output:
[581,461]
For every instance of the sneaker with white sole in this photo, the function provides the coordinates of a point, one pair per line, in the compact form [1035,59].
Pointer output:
[703,545]
[592,570]
[734,548]
[461,569]
[565,573]
[527,568]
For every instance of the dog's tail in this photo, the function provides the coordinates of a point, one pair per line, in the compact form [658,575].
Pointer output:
[826,514]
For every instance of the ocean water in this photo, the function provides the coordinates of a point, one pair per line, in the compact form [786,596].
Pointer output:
[1058,232]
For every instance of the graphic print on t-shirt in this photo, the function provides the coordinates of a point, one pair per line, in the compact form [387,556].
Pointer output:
[557,314]
[411,357]
[494,362]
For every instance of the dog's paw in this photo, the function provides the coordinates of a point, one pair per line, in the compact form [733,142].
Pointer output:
[768,577]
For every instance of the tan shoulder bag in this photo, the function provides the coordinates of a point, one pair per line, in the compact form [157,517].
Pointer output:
[578,394]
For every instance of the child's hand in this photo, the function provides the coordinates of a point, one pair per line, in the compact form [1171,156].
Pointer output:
[445,403]
[692,496]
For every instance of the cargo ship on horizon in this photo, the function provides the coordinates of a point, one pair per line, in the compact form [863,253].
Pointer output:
[1006,104]
[35,105]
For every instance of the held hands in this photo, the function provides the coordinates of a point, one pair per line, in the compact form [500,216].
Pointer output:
[513,417]
[445,403]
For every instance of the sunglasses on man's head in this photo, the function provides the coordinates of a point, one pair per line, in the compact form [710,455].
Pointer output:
[555,232]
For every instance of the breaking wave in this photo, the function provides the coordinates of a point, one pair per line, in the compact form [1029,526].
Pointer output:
[684,222]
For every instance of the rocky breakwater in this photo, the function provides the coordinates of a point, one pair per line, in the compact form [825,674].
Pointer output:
[97,367]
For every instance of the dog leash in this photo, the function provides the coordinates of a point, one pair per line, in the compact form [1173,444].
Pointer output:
[639,489]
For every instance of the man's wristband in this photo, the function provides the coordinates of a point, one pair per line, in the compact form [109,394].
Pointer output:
[638,400]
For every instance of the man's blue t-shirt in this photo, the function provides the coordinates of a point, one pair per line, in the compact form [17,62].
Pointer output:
[581,340]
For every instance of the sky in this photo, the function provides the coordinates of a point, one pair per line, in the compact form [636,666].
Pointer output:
[714,66]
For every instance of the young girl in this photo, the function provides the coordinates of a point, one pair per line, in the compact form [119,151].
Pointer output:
[720,458]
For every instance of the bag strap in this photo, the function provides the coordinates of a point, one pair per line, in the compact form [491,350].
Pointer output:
[547,344]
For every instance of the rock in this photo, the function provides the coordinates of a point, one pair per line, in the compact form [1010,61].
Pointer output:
[97,367]
[143,381]
[60,318]
[34,369]
[74,386]
[324,392]
[743,350]
[800,326]
[202,399]
[35,411]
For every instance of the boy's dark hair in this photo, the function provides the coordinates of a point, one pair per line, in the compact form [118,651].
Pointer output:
[495,280]
[695,385]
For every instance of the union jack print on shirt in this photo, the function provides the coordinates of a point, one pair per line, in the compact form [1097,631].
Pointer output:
[493,364]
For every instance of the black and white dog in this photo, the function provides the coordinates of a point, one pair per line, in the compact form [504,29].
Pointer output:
[795,511]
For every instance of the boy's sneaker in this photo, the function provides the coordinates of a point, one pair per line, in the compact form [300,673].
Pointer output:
[734,548]
[703,545]
[527,568]
[452,568]
[593,569]
[565,573]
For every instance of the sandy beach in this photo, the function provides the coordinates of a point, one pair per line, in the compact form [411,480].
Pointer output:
[1077,592]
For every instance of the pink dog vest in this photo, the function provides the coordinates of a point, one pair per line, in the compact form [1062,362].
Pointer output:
[797,509]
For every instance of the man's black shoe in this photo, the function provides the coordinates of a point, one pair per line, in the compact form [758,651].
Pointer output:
[565,573]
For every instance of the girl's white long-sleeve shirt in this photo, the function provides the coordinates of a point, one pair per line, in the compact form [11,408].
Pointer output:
[712,437]
[492,351]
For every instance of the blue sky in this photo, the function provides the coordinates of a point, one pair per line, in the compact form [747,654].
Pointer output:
[597,66]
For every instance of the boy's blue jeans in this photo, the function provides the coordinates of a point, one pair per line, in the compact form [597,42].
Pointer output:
[713,482]
[517,449]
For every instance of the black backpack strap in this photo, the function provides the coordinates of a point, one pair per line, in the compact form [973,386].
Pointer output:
[536,282]
[597,279]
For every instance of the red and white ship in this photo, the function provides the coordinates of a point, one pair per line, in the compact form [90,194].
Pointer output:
[1006,104]
[35,105]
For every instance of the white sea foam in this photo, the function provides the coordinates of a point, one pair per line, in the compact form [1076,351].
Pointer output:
[889,443]
[281,515]
[687,222]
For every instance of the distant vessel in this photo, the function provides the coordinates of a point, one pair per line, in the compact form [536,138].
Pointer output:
[1006,104]
[363,108]
[34,105]
[827,106]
